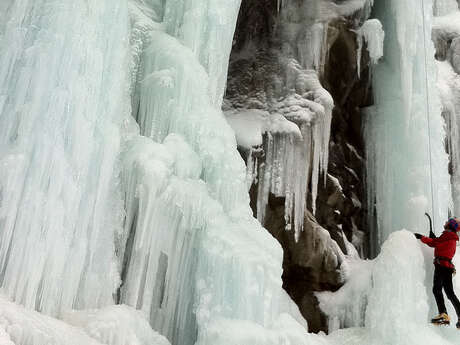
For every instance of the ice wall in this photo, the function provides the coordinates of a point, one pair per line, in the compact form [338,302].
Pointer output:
[73,163]
[446,35]
[407,164]
[191,229]
[396,289]
[207,28]
[449,87]
[63,96]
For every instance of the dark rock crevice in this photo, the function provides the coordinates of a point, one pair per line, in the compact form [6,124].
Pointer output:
[265,40]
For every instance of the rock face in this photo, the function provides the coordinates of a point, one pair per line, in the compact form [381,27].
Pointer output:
[275,45]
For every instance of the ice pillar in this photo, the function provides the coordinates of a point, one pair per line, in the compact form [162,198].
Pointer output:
[407,163]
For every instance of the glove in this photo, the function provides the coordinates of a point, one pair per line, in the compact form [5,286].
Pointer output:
[418,236]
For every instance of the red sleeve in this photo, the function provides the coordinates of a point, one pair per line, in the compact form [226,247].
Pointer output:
[429,241]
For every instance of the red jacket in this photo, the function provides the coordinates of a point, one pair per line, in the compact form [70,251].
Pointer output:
[444,247]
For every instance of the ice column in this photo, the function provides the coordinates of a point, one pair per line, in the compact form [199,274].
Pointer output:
[404,130]
[207,28]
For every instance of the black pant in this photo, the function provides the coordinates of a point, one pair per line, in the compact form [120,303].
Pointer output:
[443,279]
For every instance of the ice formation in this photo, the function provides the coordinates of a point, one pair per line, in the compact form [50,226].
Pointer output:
[71,181]
[446,35]
[60,206]
[449,86]
[97,210]
[372,33]
[296,135]
[347,307]
[395,278]
[305,104]
[407,164]
[307,154]
[114,325]
[444,7]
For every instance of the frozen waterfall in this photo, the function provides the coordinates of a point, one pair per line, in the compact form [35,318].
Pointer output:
[124,211]
[63,98]
[407,164]
[96,210]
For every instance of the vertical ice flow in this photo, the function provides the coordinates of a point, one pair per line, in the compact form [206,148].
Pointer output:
[62,98]
[206,27]
[195,254]
[404,130]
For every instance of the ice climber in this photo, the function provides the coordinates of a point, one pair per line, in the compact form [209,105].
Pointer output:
[444,251]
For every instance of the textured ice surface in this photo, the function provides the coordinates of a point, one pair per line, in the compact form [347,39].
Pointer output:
[329,9]
[399,137]
[62,102]
[443,7]
[251,124]
[393,284]
[115,325]
[86,200]
[191,230]
[449,90]
[206,27]
[448,24]
[296,136]
[372,33]
[347,307]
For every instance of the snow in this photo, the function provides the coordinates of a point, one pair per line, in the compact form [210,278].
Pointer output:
[328,9]
[447,25]
[346,308]
[115,325]
[372,32]
[386,299]
[286,331]
[250,125]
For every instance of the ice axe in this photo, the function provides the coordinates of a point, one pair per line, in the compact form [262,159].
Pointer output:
[432,235]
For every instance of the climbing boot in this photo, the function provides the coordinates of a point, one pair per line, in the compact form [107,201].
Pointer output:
[441,319]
